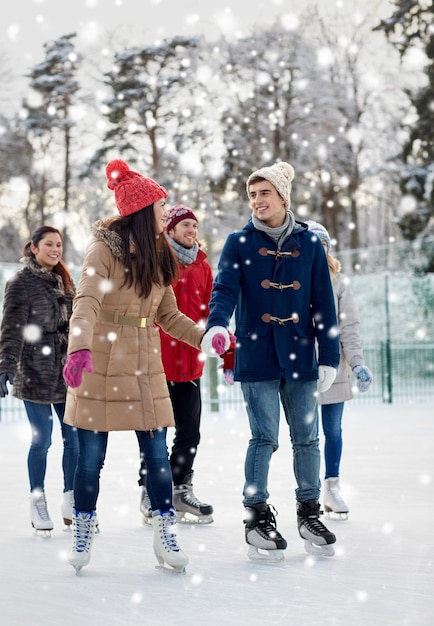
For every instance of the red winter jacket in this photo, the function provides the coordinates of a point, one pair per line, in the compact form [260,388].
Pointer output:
[183,363]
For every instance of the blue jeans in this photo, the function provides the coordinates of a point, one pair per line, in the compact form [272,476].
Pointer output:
[263,408]
[331,415]
[153,449]
[41,421]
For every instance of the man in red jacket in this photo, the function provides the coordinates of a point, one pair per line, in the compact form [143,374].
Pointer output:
[184,365]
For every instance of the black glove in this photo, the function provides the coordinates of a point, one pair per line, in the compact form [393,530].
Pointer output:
[4,378]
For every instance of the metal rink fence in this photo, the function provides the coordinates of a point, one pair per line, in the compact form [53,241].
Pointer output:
[402,373]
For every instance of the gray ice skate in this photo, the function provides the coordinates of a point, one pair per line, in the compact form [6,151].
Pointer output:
[264,540]
[188,507]
[317,538]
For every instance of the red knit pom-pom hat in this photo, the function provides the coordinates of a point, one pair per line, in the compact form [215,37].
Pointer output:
[133,192]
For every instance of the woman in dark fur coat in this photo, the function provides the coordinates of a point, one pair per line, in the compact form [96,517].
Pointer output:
[37,306]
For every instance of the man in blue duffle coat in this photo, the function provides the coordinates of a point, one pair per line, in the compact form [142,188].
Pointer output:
[274,275]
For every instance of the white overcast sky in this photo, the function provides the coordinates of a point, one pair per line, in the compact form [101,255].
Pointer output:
[28,24]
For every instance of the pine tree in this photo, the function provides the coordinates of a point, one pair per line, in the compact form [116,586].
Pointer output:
[412,24]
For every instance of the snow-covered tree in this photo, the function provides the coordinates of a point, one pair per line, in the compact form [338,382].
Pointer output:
[410,29]
[149,114]
[47,118]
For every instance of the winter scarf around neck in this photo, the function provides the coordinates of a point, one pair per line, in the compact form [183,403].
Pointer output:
[280,233]
[185,256]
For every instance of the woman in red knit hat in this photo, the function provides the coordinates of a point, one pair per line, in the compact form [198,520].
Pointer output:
[114,369]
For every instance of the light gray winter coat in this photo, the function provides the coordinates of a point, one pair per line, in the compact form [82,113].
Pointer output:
[350,346]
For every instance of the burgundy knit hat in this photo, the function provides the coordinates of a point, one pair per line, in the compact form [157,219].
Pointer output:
[178,213]
[133,192]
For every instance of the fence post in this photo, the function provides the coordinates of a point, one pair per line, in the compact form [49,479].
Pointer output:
[213,384]
[388,355]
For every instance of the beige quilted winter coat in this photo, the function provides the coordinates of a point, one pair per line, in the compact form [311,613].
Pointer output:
[128,389]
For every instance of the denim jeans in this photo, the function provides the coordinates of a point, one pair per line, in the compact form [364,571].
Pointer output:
[41,421]
[263,408]
[331,417]
[93,447]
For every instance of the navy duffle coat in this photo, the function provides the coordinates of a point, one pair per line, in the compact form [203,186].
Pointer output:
[285,316]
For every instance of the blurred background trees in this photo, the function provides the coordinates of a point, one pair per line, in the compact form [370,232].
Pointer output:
[337,98]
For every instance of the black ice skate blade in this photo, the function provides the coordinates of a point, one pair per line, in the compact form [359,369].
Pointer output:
[323,550]
[269,557]
[184,517]
[171,570]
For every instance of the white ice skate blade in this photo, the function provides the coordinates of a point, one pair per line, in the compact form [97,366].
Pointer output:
[184,517]
[337,516]
[43,533]
[270,556]
[171,570]
[313,548]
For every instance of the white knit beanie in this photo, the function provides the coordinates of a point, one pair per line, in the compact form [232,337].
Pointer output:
[280,175]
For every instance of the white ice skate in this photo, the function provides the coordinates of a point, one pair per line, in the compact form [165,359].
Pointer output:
[84,530]
[145,506]
[334,504]
[317,538]
[67,508]
[264,540]
[190,509]
[39,516]
[166,548]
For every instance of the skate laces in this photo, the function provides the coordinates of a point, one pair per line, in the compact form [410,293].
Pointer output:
[189,498]
[267,521]
[83,528]
[312,521]
[167,532]
[40,505]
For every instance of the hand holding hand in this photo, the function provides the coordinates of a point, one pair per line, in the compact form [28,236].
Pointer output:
[74,366]
[215,341]
[4,378]
[364,377]
[326,377]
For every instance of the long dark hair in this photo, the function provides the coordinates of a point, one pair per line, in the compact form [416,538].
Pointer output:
[152,261]
[60,268]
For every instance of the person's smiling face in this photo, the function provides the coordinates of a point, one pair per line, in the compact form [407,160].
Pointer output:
[184,233]
[160,215]
[266,203]
[49,250]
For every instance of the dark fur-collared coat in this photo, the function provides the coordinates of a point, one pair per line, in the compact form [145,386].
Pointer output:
[34,333]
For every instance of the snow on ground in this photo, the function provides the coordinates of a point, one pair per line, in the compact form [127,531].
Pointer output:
[382,573]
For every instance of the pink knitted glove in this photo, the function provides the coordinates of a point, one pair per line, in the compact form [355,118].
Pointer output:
[215,341]
[74,366]
[219,343]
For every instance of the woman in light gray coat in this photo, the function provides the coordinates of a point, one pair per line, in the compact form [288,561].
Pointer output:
[351,360]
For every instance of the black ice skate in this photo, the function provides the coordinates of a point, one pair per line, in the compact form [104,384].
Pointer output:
[317,538]
[264,540]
